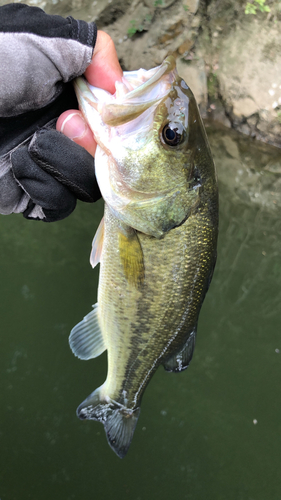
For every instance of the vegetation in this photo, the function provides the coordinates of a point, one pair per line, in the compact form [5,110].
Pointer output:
[251,8]
[138,28]
[213,85]
[132,29]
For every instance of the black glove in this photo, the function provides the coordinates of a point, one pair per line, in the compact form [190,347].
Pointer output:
[42,172]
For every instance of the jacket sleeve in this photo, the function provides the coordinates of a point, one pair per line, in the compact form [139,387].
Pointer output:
[40,55]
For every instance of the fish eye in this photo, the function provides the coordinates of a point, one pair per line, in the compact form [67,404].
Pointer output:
[172,135]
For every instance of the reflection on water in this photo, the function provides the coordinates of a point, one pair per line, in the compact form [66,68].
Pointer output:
[212,432]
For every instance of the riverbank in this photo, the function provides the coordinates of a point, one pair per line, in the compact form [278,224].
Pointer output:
[231,60]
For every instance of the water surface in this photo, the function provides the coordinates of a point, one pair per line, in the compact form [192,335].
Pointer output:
[210,433]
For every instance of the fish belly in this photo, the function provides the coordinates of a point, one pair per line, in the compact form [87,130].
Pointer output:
[147,321]
[146,324]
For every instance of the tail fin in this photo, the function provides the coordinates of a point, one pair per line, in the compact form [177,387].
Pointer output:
[119,422]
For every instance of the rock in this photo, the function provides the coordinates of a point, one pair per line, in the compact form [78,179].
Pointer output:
[249,77]
[191,5]
[244,107]
[161,4]
[169,30]
[231,147]
[103,12]
[141,20]
[194,74]
[239,54]
[185,47]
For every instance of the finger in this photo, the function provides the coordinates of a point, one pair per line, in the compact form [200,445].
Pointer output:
[104,69]
[72,124]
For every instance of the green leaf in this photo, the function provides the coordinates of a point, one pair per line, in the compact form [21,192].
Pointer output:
[250,8]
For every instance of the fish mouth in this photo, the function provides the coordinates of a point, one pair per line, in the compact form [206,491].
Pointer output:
[130,100]
[152,77]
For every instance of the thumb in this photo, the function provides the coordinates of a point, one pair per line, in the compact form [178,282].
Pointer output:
[104,69]
[72,124]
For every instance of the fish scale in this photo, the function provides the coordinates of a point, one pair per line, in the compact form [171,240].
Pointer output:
[156,244]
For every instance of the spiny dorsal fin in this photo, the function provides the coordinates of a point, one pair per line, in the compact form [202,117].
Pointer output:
[131,256]
[97,245]
[180,361]
[86,339]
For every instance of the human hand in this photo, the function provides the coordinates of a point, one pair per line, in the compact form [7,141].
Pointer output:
[43,172]
[103,72]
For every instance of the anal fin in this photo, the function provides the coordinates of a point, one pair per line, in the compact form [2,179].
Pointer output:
[180,360]
[86,339]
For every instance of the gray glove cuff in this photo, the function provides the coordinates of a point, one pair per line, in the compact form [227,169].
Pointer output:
[13,199]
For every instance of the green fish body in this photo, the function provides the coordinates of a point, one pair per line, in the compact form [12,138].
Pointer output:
[156,243]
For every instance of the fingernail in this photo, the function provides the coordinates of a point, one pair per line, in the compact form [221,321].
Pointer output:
[74,126]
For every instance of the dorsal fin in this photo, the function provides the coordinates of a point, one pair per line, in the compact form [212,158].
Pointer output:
[86,339]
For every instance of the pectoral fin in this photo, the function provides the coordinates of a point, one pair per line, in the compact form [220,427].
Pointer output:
[86,339]
[97,245]
[131,256]
[180,361]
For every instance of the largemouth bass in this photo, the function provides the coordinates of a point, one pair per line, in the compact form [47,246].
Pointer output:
[156,243]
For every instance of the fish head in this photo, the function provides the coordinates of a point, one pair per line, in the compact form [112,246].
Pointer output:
[153,157]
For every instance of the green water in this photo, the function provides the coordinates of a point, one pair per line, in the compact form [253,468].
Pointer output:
[210,433]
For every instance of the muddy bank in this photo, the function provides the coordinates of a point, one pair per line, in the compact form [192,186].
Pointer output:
[229,59]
